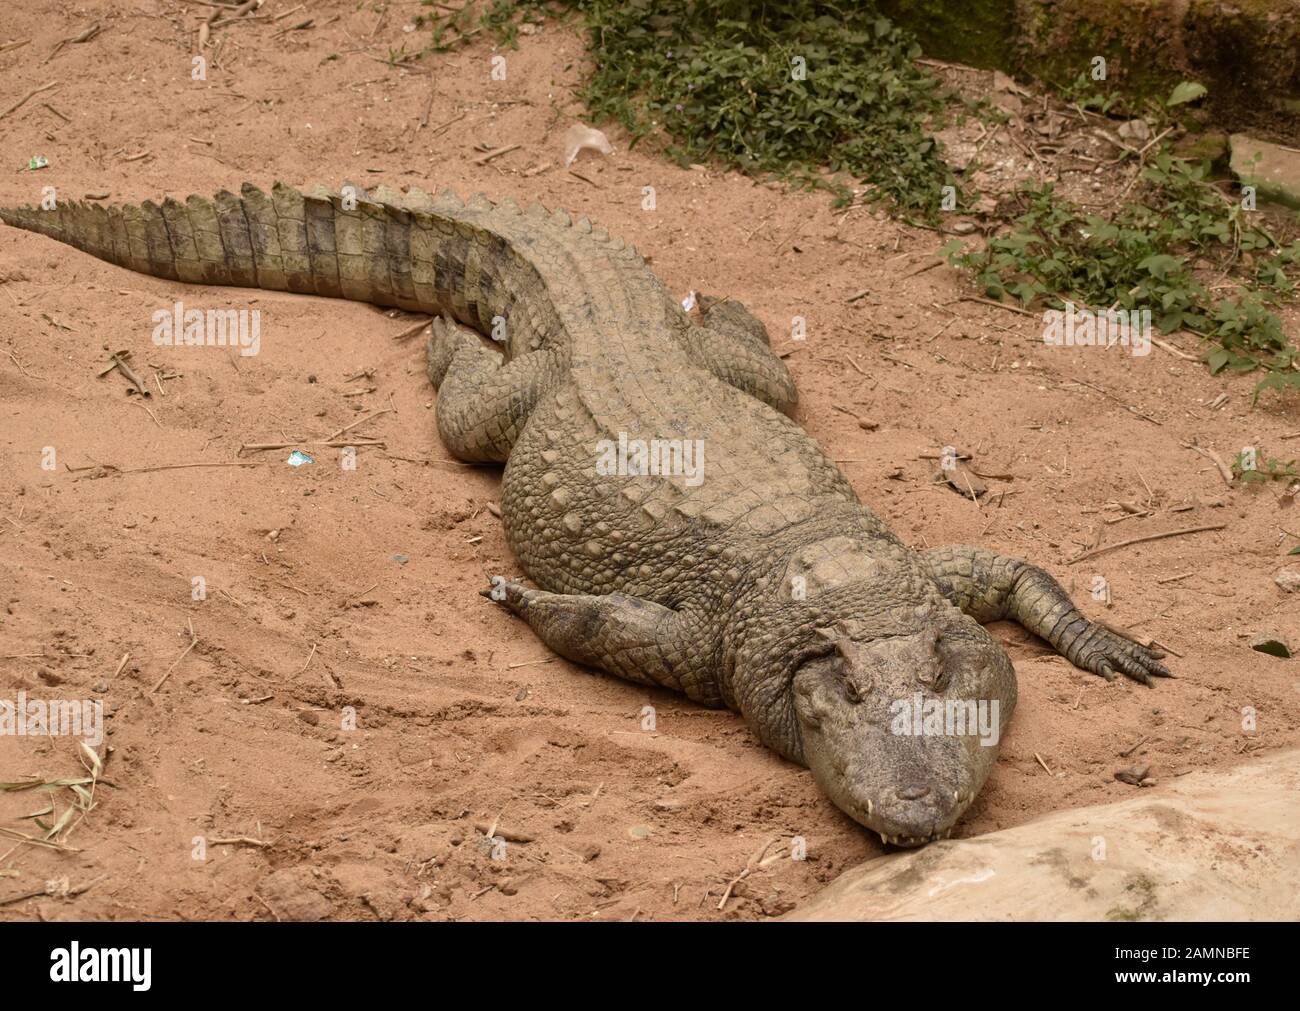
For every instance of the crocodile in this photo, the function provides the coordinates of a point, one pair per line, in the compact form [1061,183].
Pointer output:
[678,528]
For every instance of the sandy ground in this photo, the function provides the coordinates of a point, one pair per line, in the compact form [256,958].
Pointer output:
[328,588]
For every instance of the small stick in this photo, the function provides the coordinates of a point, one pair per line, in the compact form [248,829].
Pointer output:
[368,417]
[121,666]
[442,126]
[1128,751]
[259,447]
[268,906]
[130,374]
[22,101]
[193,642]
[999,305]
[751,864]
[309,656]
[428,108]
[483,159]
[41,892]
[185,466]
[397,64]
[1164,346]
[411,331]
[1224,471]
[239,840]
[495,831]
[1140,540]
[1042,763]
[139,403]
[85,36]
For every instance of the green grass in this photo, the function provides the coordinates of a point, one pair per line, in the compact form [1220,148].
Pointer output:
[1142,256]
[818,94]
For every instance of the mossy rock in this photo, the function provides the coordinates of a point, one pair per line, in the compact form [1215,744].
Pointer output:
[1273,170]
[1244,51]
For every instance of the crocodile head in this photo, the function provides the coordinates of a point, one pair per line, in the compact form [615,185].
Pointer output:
[901,729]
[854,664]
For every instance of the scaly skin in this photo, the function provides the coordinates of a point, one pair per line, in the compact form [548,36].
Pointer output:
[757,582]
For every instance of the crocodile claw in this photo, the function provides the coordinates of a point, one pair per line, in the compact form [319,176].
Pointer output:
[1108,653]
[507,593]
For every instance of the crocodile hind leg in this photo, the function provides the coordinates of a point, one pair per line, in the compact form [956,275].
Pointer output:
[727,316]
[483,403]
[637,640]
[989,586]
[734,346]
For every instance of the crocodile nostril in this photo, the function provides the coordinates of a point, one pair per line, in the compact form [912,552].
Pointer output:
[914,792]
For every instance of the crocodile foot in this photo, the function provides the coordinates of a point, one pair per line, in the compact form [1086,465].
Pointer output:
[508,593]
[1104,653]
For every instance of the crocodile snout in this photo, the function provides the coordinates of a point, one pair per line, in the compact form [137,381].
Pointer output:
[913,792]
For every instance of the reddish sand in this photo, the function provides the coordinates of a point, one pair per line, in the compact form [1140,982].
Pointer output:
[463,719]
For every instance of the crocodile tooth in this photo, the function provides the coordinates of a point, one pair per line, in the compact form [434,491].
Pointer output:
[869,805]
[884,838]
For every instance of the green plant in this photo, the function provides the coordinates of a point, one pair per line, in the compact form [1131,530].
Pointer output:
[1254,465]
[1146,255]
[790,88]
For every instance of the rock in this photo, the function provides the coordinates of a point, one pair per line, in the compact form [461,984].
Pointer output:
[292,893]
[1134,775]
[1273,645]
[1272,169]
[1163,859]
[1211,146]
[1288,579]
[1135,130]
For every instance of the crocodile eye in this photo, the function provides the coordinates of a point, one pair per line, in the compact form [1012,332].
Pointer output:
[851,691]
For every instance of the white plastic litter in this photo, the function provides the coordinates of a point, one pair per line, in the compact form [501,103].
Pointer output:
[584,138]
[688,303]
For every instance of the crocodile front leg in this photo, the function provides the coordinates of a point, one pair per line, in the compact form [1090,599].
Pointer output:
[989,586]
[482,403]
[726,315]
[734,346]
[637,640]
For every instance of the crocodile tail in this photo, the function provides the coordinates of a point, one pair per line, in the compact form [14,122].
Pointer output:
[383,249]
